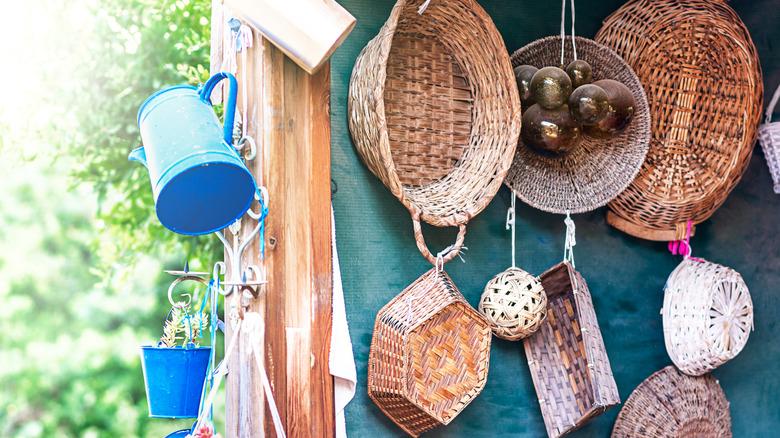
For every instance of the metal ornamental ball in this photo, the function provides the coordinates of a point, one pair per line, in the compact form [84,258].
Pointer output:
[550,131]
[589,104]
[514,303]
[580,73]
[523,74]
[551,87]
[621,110]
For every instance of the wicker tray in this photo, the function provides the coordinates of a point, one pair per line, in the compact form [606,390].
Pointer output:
[703,80]
[596,170]
[567,357]
[429,354]
[434,111]
[670,404]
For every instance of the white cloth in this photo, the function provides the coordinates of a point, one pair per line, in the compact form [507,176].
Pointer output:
[341,361]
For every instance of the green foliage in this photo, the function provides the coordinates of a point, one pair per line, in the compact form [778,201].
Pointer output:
[183,327]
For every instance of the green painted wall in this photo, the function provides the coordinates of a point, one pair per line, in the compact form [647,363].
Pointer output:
[626,275]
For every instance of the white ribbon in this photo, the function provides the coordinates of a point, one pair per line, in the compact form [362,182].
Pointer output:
[510,224]
[571,240]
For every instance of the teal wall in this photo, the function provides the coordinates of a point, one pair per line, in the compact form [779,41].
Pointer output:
[626,275]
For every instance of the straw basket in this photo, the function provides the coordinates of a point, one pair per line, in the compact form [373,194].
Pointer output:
[703,81]
[707,315]
[670,404]
[769,136]
[596,170]
[429,354]
[434,111]
[567,357]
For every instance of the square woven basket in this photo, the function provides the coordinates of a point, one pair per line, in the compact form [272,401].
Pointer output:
[429,354]
[567,357]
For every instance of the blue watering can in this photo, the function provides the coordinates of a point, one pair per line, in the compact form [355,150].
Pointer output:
[199,181]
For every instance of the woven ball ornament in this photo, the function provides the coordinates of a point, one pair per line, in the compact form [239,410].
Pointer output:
[514,303]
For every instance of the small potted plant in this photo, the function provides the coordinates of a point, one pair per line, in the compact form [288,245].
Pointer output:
[175,369]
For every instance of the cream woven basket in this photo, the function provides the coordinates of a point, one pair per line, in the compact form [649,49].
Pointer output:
[707,315]
[769,137]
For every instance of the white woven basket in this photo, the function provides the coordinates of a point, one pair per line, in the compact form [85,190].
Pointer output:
[707,315]
[769,137]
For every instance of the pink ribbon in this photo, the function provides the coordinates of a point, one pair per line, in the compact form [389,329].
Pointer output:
[683,247]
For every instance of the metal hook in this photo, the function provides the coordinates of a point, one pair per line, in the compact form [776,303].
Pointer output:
[252,147]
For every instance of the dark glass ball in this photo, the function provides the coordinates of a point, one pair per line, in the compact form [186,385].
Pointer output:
[550,131]
[621,110]
[589,104]
[523,74]
[580,73]
[551,87]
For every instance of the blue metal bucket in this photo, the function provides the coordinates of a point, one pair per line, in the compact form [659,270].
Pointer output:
[174,379]
[199,181]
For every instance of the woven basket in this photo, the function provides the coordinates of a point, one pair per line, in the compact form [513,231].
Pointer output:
[434,110]
[703,80]
[707,315]
[669,404]
[597,170]
[567,357]
[429,354]
[769,137]
[514,304]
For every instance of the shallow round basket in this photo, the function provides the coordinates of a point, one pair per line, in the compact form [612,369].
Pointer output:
[434,110]
[596,170]
[703,80]
[707,315]
[669,404]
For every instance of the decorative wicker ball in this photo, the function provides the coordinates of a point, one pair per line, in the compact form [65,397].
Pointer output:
[514,303]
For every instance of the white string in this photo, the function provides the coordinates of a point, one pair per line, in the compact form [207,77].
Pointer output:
[573,42]
[255,323]
[571,240]
[510,224]
[244,42]
[563,31]
[423,7]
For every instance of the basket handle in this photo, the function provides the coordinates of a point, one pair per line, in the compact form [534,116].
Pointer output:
[770,109]
[447,254]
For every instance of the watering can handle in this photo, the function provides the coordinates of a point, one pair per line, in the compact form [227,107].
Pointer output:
[230,110]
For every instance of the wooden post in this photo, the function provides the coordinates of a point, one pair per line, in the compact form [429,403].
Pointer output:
[288,116]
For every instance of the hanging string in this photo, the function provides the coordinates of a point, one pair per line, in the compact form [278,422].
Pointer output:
[510,224]
[423,7]
[571,240]
[563,31]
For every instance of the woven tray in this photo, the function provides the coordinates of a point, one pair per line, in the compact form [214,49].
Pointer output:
[434,111]
[670,404]
[707,315]
[567,357]
[429,354]
[703,80]
[597,170]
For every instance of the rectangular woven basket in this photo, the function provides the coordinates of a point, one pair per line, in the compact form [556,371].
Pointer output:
[567,357]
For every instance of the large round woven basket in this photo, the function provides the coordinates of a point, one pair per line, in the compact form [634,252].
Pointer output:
[707,315]
[669,404]
[703,80]
[597,170]
[434,110]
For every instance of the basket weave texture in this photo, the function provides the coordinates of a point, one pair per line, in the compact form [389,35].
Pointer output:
[669,404]
[702,76]
[434,110]
[707,315]
[596,170]
[514,304]
[769,137]
[567,357]
[429,354]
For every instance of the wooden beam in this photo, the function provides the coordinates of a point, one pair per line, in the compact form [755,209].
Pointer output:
[287,114]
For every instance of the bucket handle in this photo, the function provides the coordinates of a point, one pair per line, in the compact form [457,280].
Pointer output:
[230,110]
[445,256]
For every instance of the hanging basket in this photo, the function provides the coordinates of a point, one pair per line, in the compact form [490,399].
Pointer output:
[434,110]
[703,80]
[174,378]
[707,315]
[514,304]
[596,170]
[769,137]
[567,357]
[670,404]
[429,355]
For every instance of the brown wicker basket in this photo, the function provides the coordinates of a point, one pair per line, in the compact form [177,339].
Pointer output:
[567,357]
[703,80]
[670,404]
[596,170]
[429,354]
[434,110]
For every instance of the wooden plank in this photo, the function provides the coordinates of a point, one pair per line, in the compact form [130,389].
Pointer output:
[287,115]
[308,31]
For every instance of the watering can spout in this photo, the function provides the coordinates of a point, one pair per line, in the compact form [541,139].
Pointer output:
[139,155]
